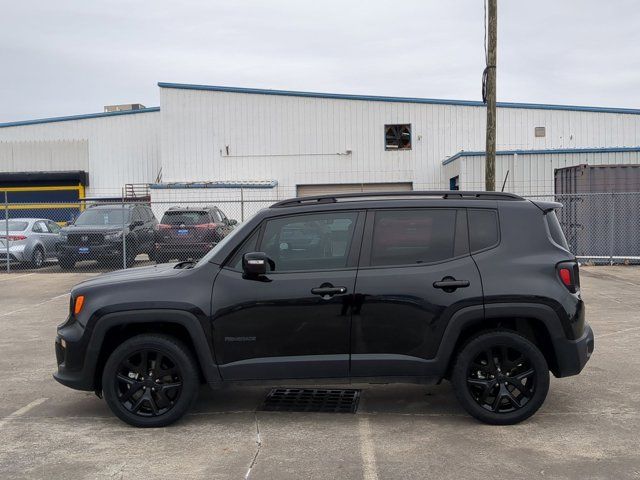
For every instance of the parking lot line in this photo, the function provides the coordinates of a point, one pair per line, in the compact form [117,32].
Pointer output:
[367,450]
[21,411]
[11,277]
[31,306]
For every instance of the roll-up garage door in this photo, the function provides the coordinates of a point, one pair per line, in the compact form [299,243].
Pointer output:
[328,189]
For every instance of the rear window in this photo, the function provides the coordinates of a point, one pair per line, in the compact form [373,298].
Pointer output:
[13,226]
[483,229]
[557,235]
[405,237]
[185,218]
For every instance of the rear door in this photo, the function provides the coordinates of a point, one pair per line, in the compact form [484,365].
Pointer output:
[415,272]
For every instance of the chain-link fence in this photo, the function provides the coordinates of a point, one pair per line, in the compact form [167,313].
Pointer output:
[98,236]
[600,227]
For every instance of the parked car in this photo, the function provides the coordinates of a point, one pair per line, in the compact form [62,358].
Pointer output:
[30,240]
[477,288]
[185,233]
[98,233]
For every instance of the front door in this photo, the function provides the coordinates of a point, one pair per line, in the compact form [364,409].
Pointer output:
[295,321]
[415,272]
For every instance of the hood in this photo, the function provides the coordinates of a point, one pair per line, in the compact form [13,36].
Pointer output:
[91,228]
[163,270]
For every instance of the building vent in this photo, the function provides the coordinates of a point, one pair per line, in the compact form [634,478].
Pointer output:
[397,137]
[540,132]
[124,107]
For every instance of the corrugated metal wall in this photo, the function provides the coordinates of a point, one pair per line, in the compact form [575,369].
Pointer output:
[212,135]
[532,174]
[115,150]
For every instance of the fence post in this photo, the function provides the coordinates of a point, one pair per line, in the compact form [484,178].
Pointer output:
[124,238]
[612,217]
[241,204]
[6,224]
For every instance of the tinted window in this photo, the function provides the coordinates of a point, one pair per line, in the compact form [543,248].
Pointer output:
[556,231]
[103,216]
[185,218]
[483,229]
[249,245]
[40,227]
[309,242]
[53,227]
[404,237]
[13,226]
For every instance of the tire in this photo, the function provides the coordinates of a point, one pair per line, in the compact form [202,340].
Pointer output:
[131,254]
[488,371]
[37,258]
[66,263]
[145,406]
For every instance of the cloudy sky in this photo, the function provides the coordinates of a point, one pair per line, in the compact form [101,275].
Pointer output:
[68,57]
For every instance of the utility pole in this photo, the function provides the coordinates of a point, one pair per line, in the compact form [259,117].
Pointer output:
[490,91]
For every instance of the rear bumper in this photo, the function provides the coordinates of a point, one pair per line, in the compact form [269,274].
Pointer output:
[573,355]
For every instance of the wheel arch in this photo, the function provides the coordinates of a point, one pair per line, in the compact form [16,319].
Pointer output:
[113,328]
[536,322]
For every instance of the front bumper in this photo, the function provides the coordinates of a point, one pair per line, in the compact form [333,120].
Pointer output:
[573,355]
[73,370]
[90,252]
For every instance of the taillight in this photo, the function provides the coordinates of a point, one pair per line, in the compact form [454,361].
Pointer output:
[569,275]
[207,226]
[14,238]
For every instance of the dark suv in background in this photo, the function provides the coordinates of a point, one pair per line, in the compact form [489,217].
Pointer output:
[98,233]
[185,233]
[416,287]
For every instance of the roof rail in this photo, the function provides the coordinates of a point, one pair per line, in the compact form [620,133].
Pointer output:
[445,194]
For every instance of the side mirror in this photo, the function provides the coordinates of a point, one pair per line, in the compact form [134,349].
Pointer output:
[255,263]
[233,222]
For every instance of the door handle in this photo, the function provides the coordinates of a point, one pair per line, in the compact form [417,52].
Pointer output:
[326,290]
[450,284]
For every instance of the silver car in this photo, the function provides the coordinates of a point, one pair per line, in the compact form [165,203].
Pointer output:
[30,240]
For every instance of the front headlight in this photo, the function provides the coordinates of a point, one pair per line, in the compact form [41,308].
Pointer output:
[113,236]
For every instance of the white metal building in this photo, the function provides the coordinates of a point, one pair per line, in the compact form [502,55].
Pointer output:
[299,143]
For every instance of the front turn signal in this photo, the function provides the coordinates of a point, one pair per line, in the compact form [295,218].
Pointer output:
[78,304]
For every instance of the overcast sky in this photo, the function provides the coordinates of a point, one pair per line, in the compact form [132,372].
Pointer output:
[63,57]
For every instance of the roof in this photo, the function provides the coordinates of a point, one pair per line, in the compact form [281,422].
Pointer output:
[78,117]
[543,152]
[375,98]
[217,184]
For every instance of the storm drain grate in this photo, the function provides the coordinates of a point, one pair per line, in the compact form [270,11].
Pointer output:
[312,400]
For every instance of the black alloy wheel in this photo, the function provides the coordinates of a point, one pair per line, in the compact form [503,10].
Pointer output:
[500,377]
[150,380]
[148,383]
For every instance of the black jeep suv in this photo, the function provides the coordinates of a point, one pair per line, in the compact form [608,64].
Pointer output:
[477,288]
[102,232]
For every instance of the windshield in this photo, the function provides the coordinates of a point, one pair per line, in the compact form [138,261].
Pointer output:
[13,226]
[219,245]
[103,216]
[185,218]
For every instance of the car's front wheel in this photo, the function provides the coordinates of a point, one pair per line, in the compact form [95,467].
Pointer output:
[150,380]
[500,377]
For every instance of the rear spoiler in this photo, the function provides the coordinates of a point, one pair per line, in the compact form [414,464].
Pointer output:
[546,207]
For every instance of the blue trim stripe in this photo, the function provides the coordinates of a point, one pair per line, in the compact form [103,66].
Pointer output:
[374,98]
[78,117]
[543,152]
[247,184]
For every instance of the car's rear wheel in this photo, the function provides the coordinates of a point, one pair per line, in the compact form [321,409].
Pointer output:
[66,263]
[500,377]
[150,381]
[37,258]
